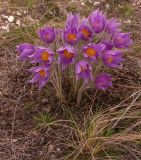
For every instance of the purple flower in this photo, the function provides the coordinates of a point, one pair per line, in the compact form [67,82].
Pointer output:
[112,59]
[66,55]
[92,51]
[47,34]
[97,21]
[112,26]
[41,75]
[43,55]
[25,51]
[103,81]
[70,34]
[109,45]
[85,31]
[83,70]
[72,21]
[122,40]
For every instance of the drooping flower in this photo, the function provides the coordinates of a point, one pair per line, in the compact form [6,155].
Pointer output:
[66,55]
[41,75]
[97,21]
[47,34]
[85,30]
[122,40]
[112,26]
[43,55]
[83,71]
[103,81]
[25,51]
[70,34]
[92,51]
[112,58]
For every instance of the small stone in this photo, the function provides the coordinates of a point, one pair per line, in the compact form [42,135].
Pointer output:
[44,100]
[51,148]
[107,6]
[5,28]
[14,140]
[4,17]
[25,12]
[11,19]
[82,4]
[96,3]
[18,13]
[18,22]
[90,1]
[128,21]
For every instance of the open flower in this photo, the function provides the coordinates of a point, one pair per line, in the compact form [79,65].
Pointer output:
[97,21]
[47,34]
[83,71]
[112,59]
[66,55]
[43,55]
[112,26]
[41,75]
[122,40]
[103,81]
[25,51]
[70,34]
[85,30]
[92,51]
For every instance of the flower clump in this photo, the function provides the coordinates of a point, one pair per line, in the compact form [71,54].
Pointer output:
[85,45]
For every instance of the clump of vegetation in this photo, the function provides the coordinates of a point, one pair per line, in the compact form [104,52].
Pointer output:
[79,52]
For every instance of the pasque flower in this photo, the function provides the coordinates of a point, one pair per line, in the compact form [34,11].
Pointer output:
[97,21]
[103,81]
[122,40]
[70,34]
[112,58]
[92,51]
[85,31]
[42,55]
[81,43]
[83,71]
[66,55]
[112,26]
[109,45]
[47,34]
[25,51]
[41,75]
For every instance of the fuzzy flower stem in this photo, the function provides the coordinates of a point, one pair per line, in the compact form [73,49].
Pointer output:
[56,81]
[79,95]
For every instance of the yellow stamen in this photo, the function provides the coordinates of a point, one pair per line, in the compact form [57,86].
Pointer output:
[85,32]
[91,52]
[42,73]
[71,36]
[45,56]
[68,54]
[110,59]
